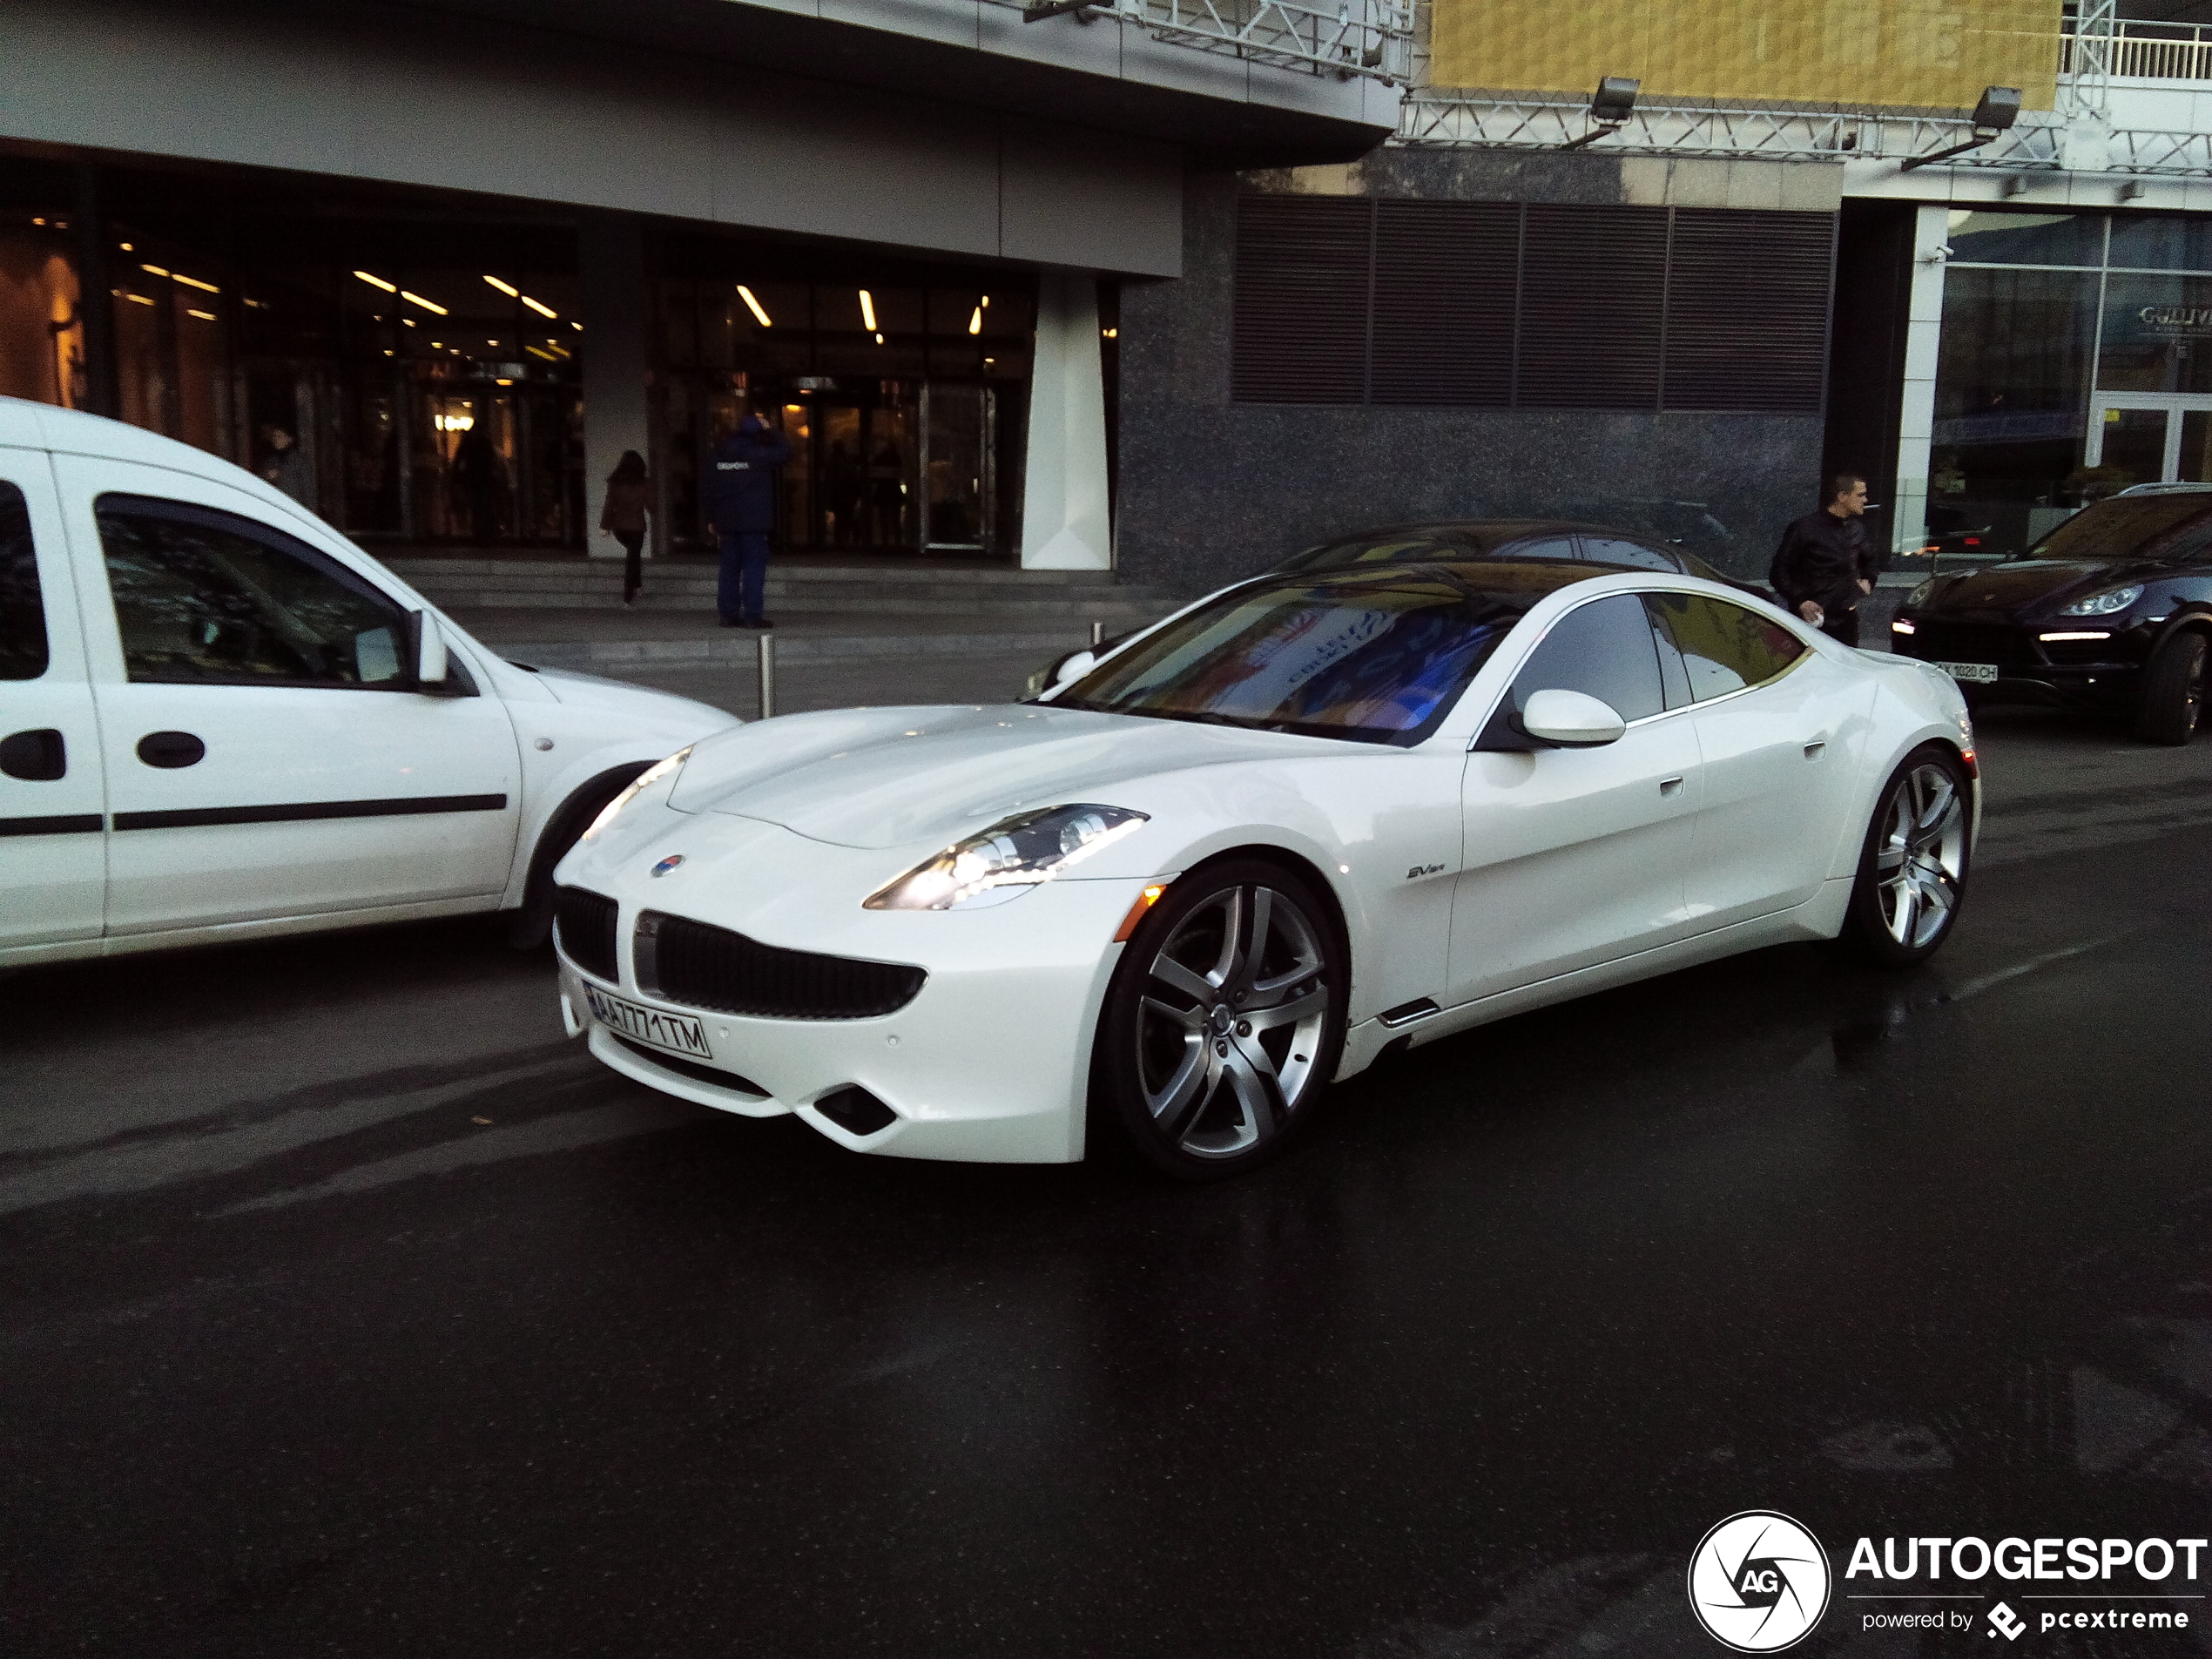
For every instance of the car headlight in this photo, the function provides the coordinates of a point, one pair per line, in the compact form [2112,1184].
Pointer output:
[1920,595]
[643,781]
[1002,862]
[2105,603]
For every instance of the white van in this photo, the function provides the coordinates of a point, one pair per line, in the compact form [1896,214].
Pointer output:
[221,719]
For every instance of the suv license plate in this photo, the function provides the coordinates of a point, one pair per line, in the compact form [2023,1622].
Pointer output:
[676,1032]
[1973,674]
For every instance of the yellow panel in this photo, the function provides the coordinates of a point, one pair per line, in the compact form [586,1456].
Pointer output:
[1898,53]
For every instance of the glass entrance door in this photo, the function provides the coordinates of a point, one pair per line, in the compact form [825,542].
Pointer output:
[2149,438]
[958,488]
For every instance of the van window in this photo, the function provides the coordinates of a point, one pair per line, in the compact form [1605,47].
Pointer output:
[23,608]
[202,596]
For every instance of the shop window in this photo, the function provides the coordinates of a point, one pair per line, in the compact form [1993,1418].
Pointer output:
[2012,386]
[2154,243]
[2027,239]
[2157,334]
[42,341]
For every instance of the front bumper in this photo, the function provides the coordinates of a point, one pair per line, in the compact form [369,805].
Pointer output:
[2071,673]
[988,1062]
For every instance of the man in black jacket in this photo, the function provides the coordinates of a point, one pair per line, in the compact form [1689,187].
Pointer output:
[738,495]
[1826,564]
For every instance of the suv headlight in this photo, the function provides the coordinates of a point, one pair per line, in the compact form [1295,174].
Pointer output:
[1920,595]
[645,780]
[1003,862]
[2106,603]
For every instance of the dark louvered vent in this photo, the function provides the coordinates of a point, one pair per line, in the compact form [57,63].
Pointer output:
[1444,302]
[1747,310]
[1301,301]
[1593,290]
[583,929]
[712,967]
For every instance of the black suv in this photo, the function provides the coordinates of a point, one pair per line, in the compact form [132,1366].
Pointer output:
[2111,611]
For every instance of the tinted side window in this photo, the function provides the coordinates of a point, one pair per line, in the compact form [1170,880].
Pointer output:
[23,609]
[1605,651]
[1617,550]
[1724,647]
[204,596]
[1547,546]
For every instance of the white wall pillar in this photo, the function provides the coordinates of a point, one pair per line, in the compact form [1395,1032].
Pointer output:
[610,262]
[1065,519]
[1916,413]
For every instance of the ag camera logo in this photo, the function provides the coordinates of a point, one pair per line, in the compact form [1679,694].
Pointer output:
[1758,1582]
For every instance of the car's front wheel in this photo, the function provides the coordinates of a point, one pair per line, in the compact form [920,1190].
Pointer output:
[1224,1021]
[2173,690]
[1912,868]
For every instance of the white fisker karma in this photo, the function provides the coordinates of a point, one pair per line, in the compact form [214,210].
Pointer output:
[1308,820]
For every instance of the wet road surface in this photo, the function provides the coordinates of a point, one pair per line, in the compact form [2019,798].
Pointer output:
[349,1309]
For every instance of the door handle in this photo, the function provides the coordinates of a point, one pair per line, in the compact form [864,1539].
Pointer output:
[1813,748]
[37,757]
[170,750]
[1670,786]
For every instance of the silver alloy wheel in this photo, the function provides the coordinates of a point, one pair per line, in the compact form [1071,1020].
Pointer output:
[1922,856]
[1233,1012]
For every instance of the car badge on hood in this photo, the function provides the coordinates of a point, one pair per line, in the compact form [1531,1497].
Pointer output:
[668,864]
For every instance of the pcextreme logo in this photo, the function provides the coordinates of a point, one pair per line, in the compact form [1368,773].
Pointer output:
[1758,1581]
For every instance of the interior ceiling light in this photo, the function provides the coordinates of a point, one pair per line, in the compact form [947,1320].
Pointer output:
[539,307]
[879,340]
[867,311]
[155,269]
[539,351]
[138,299]
[193,282]
[578,326]
[975,322]
[986,300]
[510,292]
[204,316]
[378,282]
[125,246]
[409,321]
[754,306]
[428,304]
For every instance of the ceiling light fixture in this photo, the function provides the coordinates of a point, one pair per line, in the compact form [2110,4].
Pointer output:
[510,292]
[154,269]
[975,322]
[428,304]
[754,306]
[867,311]
[542,310]
[378,282]
[204,316]
[193,282]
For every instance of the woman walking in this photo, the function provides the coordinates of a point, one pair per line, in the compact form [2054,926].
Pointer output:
[623,517]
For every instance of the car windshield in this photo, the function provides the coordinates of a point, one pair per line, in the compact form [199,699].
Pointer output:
[2119,527]
[1376,656]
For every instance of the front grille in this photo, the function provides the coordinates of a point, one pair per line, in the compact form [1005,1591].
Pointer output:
[1967,642]
[712,967]
[583,930]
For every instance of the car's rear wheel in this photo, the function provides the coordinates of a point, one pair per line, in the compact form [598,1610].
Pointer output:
[2173,690]
[1912,869]
[1224,1022]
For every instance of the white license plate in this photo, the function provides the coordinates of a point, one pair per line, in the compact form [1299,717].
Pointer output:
[674,1033]
[1973,674]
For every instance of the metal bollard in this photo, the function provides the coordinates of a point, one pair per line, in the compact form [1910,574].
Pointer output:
[1097,635]
[767,644]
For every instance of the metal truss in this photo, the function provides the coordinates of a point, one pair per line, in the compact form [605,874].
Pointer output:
[1354,38]
[1508,121]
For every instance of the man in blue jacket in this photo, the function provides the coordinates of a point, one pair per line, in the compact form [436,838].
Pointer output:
[739,499]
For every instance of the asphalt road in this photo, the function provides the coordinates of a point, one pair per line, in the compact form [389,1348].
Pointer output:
[348,1309]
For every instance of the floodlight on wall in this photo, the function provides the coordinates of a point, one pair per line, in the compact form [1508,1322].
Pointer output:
[1999,107]
[1611,106]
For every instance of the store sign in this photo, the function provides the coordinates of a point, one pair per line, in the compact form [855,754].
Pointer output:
[2193,322]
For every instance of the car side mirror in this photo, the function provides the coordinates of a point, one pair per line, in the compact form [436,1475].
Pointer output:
[1571,721]
[1073,667]
[429,653]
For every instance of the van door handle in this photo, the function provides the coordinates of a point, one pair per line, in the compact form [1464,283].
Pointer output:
[1670,786]
[1813,748]
[170,750]
[37,757]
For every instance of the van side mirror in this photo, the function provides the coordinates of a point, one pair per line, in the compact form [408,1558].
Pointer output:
[429,653]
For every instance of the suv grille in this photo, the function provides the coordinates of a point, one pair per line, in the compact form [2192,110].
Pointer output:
[583,929]
[1966,642]
[712,967]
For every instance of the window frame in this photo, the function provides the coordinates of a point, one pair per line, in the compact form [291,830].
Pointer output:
[407,618]
[1806,653]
